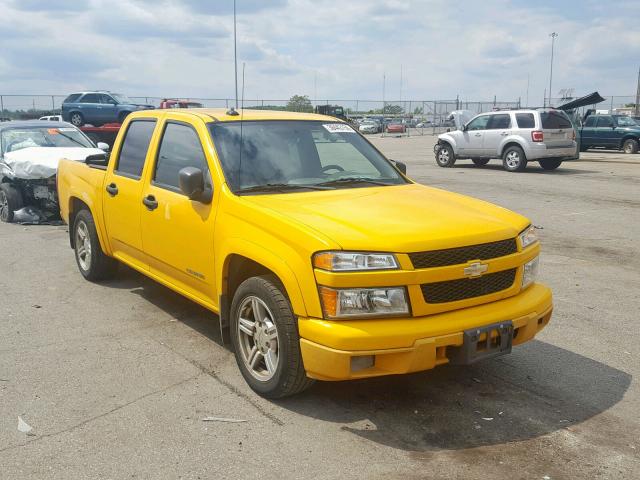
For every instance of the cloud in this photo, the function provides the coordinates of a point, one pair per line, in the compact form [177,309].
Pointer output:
[50,5]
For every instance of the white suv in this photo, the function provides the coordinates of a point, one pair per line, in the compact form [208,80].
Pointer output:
[516,136]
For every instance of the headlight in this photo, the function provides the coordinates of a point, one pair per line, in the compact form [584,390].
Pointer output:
[528,236]
[363,302]
[530,273]
[349,261]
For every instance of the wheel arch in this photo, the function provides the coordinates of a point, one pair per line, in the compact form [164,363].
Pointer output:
[629,136]
[511,143]
[75,205]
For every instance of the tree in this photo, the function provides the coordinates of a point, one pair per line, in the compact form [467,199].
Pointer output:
[418,111]
[300,103]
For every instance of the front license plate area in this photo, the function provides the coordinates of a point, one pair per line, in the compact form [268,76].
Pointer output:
[482,343]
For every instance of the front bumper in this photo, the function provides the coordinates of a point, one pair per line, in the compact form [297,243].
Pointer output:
[412,344]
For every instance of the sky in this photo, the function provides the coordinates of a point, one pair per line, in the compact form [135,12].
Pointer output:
[327,49]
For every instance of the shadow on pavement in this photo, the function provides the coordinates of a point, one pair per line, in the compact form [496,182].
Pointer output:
[536,390]
[531,168]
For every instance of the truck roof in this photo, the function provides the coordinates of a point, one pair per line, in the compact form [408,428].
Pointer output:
[222,114]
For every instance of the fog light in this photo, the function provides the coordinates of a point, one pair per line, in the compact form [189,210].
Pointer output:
[530,273]
[362,362]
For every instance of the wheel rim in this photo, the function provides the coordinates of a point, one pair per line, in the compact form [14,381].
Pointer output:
[258,338]
[443,155]
[83,246]
[627,147]
[75,119]
[513,159]
[4,206]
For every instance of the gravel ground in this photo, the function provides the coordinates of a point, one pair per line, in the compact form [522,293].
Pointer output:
[115,379]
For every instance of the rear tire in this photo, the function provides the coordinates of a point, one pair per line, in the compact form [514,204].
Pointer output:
[10,201]
[550,163]
[266,340]
[630,146]
[76,119]
[93,263]
[514,160]
[480,162]
[445,156]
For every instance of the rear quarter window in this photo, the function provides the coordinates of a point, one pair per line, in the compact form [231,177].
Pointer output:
[525,120]
[72,98]
[554,120]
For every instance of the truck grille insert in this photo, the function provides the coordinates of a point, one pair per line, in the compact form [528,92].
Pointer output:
[463,288]
[456,256]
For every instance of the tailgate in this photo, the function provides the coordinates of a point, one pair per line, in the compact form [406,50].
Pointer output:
[557,129]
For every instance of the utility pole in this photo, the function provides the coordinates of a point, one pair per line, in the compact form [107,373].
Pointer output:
[638,95]
[400,83]
[553,36]
[235,51]
[315,86]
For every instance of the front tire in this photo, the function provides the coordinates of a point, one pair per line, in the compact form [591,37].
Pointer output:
[514,160]
[76,119]
[10,201]
[445,156]
[265,338]
[630,146]
[92,262]
[550,163]
[480,162]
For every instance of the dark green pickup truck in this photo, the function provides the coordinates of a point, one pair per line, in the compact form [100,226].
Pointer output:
[616,132]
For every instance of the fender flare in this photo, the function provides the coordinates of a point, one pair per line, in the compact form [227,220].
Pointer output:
[266,258]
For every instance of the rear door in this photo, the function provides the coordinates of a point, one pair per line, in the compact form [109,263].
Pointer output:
[123,195]
[109,110]
[557,129]
[91,108]
[473,136]
[605,135]
[498,127]
[588,132]
[177,233]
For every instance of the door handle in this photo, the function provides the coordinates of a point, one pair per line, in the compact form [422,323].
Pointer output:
[478,134]
[504,134]
[112,189]
[150,202]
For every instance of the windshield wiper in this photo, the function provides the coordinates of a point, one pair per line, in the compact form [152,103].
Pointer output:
[270,187]
[72,139]
[352,181]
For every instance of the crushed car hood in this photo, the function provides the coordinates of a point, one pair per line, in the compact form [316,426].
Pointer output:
[33,163]
[402,218]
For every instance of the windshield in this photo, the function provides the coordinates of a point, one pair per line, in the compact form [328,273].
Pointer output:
[626,122]
[121,98]
[292,155]
[18,138]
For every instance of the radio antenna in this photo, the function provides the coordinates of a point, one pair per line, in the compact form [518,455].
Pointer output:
[241,123]
[235,51]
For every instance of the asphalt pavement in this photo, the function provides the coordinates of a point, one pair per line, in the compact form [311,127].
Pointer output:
[115,379]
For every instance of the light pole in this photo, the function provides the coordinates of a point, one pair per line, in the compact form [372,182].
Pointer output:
[235,51]
[553,36]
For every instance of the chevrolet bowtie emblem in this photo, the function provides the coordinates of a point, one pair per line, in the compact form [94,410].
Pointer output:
[476,269]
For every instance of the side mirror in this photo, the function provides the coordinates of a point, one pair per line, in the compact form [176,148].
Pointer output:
[192,185]
[400,166]
[98,160]
[103,146]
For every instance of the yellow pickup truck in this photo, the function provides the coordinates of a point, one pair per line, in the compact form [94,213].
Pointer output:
[321,257]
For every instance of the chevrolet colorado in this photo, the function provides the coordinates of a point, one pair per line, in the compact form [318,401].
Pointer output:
[321,257]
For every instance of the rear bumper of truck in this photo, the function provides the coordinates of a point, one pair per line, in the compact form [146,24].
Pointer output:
[343,350]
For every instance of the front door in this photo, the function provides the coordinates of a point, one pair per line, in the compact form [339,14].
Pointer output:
[123,196]
[473,137]
[588,132]
[498,128]
[177,233]
[109,109]
[605,132]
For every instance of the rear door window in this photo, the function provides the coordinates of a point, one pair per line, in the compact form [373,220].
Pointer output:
[499,121]
[554,120]
[525,120]
[604,121]
[91,98]
[590,122]
[180,147]
[134,148]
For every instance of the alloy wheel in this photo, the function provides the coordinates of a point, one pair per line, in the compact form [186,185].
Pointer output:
[4,206]
[513,159]
[258,338]
[83,246]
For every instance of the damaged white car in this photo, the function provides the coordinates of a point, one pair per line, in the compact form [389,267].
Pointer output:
[29,155]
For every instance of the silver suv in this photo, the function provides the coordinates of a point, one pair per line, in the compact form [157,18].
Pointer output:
[516,136]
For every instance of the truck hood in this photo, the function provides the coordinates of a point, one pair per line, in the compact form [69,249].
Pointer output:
[32,163]
[402,218]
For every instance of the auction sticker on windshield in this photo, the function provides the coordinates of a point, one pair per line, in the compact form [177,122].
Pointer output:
[338,128]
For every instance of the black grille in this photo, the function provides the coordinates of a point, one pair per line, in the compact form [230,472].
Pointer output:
[456,256]
[460,289]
